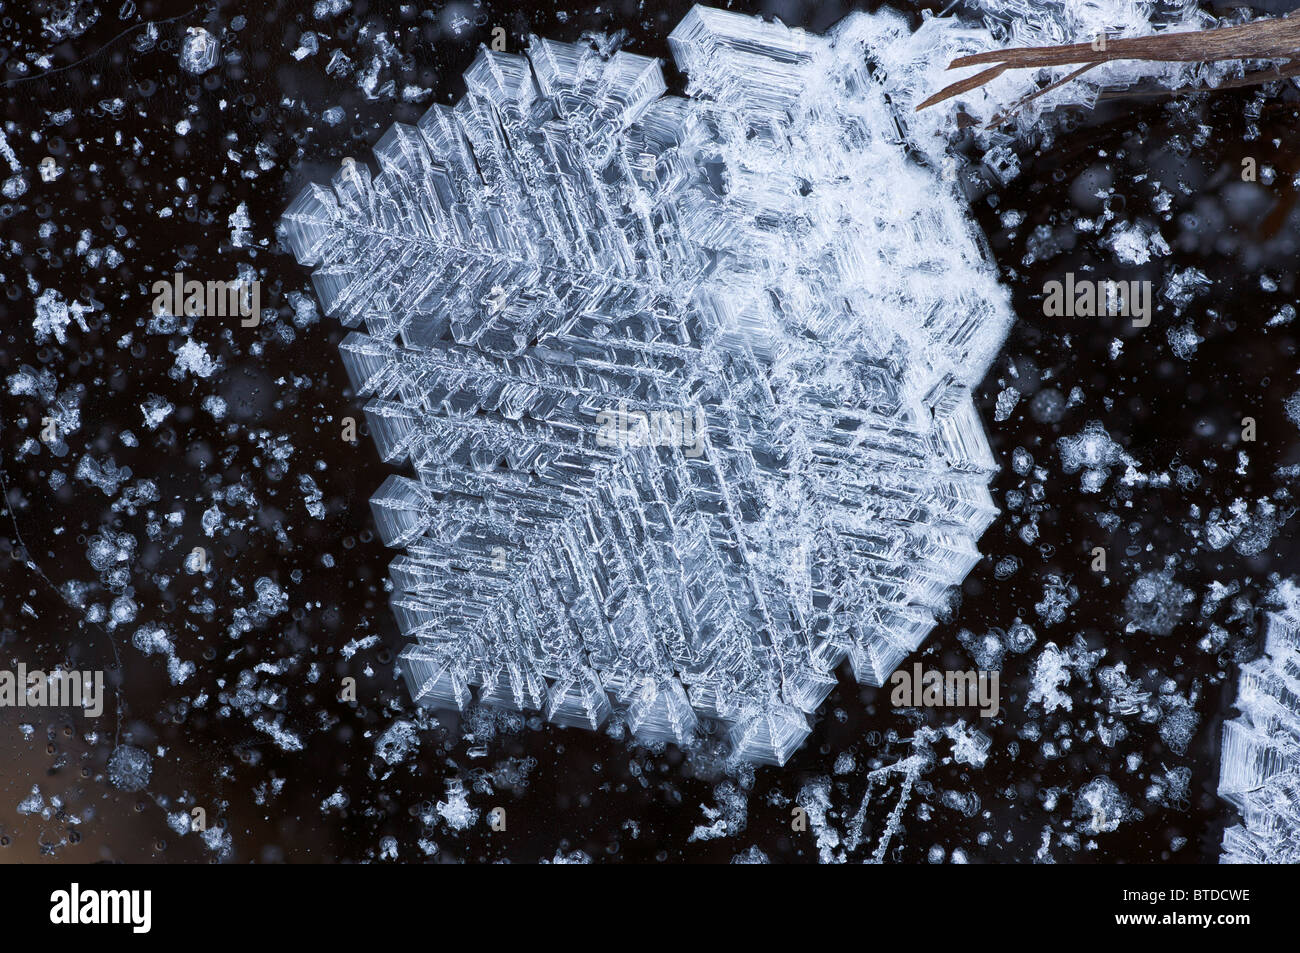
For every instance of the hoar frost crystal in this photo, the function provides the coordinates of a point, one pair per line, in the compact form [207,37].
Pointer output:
[772,257]
[1259,768]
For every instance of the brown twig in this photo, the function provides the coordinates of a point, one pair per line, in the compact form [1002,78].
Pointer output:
[1024,101]
[1277,38]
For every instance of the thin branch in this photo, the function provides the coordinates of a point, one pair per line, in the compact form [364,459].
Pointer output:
[965,85]
[1277,38]
[1069,77]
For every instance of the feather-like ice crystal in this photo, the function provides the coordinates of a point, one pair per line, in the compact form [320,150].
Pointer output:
[1259,770]
[684,383]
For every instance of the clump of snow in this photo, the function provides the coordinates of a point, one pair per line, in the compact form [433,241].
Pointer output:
[53,315]
[1051,672]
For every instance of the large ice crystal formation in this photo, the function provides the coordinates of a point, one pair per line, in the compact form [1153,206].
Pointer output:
[1259,770]
[771,257]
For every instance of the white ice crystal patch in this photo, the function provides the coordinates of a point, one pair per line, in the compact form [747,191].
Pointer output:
[1135,244]
[200,50]
[53,315]
[192,358]
[1292,407]
[1051,671]
[283,737]
[1259,768]
[455,811]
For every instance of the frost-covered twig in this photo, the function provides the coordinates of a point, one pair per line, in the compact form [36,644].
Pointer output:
[1259,40]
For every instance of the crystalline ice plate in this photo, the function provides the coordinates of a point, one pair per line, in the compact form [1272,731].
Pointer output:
[768,254]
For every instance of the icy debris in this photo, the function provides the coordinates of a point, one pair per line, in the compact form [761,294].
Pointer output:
[271,601]
[304,309]
[1006,403]
[1181,286]
[53,315]
[355,645]
[1124,696]
[192,358]
[728,818]
[1134,243]
[574,857]
[68,20]
[1292,407]
[308,45]
[239,223]
[1259,769]
[399,742]
[969,744]
[888,787]
[34,803]
[1058,595]
[1051,671]
[284,739]
[1184,341]
[106,475]
[324,9]
[1156,603]
[1285,315]
[455,811]
[987,650]
[570,246]
[156,409]
[215,406]
[1092,451]
[129,768]
[815,801]
[199,50]
[1100,806]
[154,639]
[311,496]
[218,841]
[1178,721]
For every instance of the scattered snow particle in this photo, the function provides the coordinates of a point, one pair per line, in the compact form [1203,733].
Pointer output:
[1292,407]
[1101,804]
[53,315]
[1051,671]
[199,51]
[1135,243]
[155,410]
[1156,603]
[398,742]
[129,768]
[1006,403]
[33,803]
[193,358]
[1184,341]
[455,811]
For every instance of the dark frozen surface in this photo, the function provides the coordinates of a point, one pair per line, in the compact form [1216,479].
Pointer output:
[269,658]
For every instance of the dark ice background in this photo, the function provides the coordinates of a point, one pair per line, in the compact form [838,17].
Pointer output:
[565,790]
